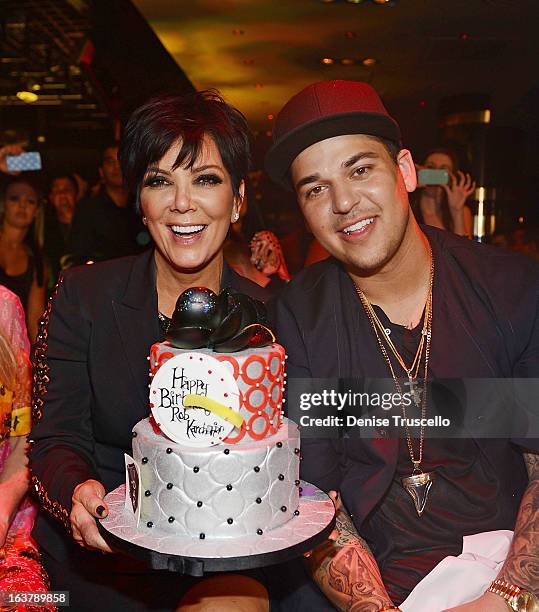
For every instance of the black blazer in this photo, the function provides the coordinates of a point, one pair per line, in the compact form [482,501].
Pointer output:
[485,325]
[91,380]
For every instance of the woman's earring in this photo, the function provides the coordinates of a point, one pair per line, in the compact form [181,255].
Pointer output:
[235,217]
[144,220]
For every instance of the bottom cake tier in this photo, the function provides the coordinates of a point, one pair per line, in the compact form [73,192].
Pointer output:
[217,492]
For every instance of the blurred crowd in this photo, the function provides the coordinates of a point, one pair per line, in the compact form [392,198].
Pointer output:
[47,226]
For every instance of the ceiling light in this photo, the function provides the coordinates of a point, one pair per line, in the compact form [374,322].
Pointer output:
[327,60]
[347,61]
[369,61]
[27,96]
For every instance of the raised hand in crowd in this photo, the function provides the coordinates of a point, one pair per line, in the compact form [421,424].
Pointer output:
[13,149]
[460,188]
[267,255]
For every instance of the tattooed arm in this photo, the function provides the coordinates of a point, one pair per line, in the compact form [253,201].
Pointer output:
[521,567]
[345,570]
[522,564]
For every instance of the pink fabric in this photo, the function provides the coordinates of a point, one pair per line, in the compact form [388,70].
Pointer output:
[20,567]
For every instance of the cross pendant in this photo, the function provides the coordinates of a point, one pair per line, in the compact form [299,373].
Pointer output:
[415,391]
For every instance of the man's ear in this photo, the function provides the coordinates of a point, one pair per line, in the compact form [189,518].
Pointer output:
[407,169]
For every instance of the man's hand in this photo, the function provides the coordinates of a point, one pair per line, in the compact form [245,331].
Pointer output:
[460,188]
[88,505]
[344,568]
[488,602]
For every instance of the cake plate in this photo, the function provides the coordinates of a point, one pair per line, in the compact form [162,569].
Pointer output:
[195,557]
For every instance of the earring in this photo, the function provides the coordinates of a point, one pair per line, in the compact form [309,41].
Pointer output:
[235,217]
[144,220]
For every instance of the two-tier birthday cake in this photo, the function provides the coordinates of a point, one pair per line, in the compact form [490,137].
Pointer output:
[216,461]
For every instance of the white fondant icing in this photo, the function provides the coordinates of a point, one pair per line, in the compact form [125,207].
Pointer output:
[208,484]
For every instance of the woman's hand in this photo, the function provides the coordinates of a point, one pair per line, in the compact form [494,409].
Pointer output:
[460,188]
[88,505]
[9,150]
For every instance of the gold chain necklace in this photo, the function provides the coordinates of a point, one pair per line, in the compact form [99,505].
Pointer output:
[418,484]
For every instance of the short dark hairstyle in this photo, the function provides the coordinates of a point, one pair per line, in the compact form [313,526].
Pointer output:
[68,177]
[112,144]
[154,127]
[393,148]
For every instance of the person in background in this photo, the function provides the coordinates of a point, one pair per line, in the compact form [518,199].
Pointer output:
[58,219]
[22,268]
[20,569]
[268,257]
[236,249]
[525,241]
[107,226]
[444,206]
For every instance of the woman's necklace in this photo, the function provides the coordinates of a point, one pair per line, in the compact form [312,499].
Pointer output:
[419,483]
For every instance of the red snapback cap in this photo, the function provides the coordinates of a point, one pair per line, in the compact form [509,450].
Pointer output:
[324,110]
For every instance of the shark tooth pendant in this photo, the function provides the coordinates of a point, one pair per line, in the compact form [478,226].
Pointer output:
[418,486]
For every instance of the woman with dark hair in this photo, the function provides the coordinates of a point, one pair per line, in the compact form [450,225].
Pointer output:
[185,158]
[21,238]
[444,206]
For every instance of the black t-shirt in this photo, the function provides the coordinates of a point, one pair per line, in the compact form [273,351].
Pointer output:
[485,326]
[465,498]
[101,230]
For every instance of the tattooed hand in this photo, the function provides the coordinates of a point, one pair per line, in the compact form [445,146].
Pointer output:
[521,567]
[344,568]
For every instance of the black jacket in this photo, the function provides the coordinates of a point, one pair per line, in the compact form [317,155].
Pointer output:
[91,380]
[485,325]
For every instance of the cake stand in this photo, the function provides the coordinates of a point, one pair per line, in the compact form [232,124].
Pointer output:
[195,557]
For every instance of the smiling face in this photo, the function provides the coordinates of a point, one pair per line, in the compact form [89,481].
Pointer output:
[63,197]
[355,198]
[21,204]
[188,210]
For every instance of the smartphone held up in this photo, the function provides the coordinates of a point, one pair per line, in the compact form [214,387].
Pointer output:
[30,160]
[431,176]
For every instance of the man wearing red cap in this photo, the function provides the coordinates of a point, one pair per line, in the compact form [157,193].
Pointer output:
[410,303]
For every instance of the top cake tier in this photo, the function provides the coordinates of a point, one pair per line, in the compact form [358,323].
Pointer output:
[259,374]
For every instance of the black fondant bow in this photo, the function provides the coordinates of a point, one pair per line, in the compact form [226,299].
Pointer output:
[226,323]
